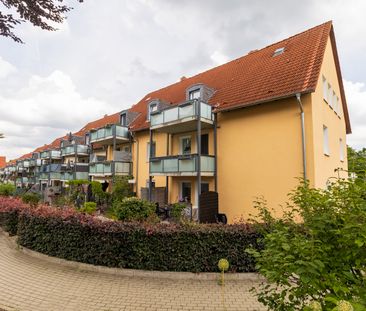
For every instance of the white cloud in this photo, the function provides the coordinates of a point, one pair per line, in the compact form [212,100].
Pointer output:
[356,100]
[43,109]
[6,68]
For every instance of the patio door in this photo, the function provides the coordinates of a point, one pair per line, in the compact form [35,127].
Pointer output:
[186,191]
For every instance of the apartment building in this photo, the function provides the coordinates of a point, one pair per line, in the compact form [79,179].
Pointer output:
[224,137]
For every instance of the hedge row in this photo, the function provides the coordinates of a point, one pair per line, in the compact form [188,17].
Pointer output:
[67,234]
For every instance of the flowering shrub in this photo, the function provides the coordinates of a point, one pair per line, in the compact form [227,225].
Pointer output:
[67,234]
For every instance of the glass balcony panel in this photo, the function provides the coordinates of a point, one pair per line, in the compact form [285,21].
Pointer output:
[99,168]
[170,165]
[94,135]
[54,175]
[82,149]
[101,133]
[121,131]
[44,154]
[157,118]
[55,153]
[207,164]
[187,111]
[156,166]
[122,167]
[206,111]
[82,175]
[26,163]
[171,114]
[92,169]
[108,131]
[107,168]
[187,165]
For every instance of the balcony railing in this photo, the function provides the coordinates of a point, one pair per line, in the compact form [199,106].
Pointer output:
[108,133]
[74,149]
[51,154]
[185,112]
[50,175]
[110,168]
[66,176]
[182,165]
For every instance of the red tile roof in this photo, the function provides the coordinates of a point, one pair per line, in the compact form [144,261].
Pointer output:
[258,76]
[2,162]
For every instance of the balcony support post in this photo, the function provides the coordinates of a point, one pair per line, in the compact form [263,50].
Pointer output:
[198,163]
[215,149]
[114,133]
[167,177]
[150,153]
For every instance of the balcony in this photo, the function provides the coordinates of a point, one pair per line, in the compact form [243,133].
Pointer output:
[75,150]
[107,134]
[182,118]
[110,168]
[51,154]
[182,165]
[35,162]
[66,176]
[50,176]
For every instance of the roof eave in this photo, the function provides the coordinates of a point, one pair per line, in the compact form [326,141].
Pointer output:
[263,101]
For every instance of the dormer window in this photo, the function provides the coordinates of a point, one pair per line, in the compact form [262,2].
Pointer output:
[123,119]
[194,94]
[152,108]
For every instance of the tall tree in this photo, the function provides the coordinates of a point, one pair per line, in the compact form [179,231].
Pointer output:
[38,12]
[357,162]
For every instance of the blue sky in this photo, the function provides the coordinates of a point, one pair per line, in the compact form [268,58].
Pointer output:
[106,57]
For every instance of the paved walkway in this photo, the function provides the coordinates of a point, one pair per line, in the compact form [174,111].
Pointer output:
[31,284]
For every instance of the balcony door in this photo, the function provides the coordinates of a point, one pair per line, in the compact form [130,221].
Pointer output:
[185,145]
[204,144]
[186,191]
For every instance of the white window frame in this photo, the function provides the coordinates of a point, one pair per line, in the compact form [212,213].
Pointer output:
[194,91]
[153,106]
[341,150]
[325,89]
[330,96]
[181,144]
[326,150]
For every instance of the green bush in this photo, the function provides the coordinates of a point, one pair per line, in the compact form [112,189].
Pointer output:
[323,258]
[31,198]
[176,211]
[89,208]
[121,188]
[67,234]
[7,189]
[133,209]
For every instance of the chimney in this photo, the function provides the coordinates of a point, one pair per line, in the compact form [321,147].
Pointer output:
[183,78]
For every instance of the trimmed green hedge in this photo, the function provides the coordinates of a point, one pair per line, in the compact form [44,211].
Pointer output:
[165,247]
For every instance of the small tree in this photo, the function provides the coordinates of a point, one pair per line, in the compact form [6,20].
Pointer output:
[323,258]
[121,188]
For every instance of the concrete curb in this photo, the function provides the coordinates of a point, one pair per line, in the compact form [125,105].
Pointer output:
[251,277]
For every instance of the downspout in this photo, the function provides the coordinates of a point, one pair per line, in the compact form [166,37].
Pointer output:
[298,97]
[134,138]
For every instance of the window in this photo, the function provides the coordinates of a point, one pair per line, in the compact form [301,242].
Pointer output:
[325,89]
[124,119]
[148,151]
[325,140]
[152,108]
[204,144]
[339,109]
[341,150]
[205,187]
[335,102]
[278,52]
[185,145]
[186,191]
[194,94]
[87,139]
[329,96]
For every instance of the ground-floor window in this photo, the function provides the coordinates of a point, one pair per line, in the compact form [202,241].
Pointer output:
[186,191]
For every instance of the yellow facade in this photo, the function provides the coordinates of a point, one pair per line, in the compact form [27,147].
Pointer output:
[259,150]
